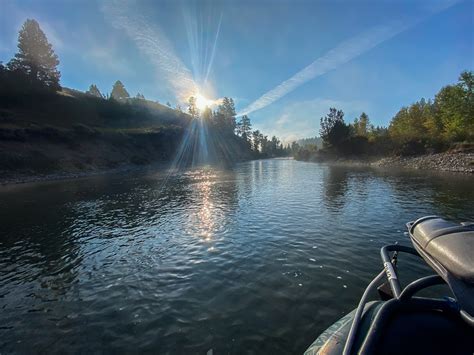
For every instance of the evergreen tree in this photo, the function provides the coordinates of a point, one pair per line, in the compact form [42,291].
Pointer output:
[192,108]
[119,92]
[94,91]
[333,130]
[206,114]
[362,125]
[273,146]
[245,128]
[140,96]
[256,140]
[264,146]
[36,57]
[295,147]
[227,111]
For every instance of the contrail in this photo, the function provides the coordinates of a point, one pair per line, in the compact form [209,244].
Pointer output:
[211,60]
[151,41]
[343,53]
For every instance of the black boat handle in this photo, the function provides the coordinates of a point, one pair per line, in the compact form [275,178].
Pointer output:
[390,270]
[420,284]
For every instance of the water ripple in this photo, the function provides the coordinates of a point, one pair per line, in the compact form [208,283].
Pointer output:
[261,257]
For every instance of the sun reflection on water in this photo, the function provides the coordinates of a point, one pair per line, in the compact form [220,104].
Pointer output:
[205,217]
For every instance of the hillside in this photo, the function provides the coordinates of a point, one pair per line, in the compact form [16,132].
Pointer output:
[70,133]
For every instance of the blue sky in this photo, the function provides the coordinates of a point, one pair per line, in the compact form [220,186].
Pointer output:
[159,47]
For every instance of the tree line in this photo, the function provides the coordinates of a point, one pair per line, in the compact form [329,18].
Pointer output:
[224,119]
[33,72]
[424,126]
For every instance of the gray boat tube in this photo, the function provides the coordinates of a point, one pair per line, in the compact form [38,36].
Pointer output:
[358,315]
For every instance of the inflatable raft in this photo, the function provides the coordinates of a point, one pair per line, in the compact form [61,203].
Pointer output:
[402,322]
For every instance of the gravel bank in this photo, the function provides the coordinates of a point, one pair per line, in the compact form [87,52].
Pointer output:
[454,162]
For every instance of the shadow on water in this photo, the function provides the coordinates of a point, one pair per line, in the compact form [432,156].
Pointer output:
[335,187]
[262,255]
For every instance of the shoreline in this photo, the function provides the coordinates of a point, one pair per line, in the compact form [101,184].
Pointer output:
[453,162]
[18,179]
[446,162]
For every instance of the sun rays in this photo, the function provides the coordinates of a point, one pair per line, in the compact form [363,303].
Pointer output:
[202,22]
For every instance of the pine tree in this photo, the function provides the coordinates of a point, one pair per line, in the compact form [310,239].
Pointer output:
[256,140]
[333,129]
[119,92]
[362,126]
[192,108]
[244,128]
[36,57]
[206,114]
[94,91]
[227,111]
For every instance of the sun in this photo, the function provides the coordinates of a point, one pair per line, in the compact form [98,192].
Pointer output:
[202,102]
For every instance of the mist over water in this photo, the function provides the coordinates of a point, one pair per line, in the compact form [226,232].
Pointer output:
[259,257]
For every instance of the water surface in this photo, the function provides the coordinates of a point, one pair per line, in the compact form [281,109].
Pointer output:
[258,258]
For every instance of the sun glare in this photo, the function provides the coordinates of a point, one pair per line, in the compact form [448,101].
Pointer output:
[203,102]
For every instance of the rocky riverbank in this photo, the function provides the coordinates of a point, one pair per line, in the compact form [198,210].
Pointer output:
[459,162]
[449,161]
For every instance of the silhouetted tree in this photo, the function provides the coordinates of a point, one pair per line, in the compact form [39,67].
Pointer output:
[333,130]
[256,140]
[206,114]
[3,71]
[36,57]
[94,91]
[275,143]
[192,107]
[264,144]
[244,128]
[227,112]
[119,92]
[140,96]
[295,147]
[168,104]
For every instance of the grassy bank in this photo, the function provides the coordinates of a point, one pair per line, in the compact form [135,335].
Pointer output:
[69,132]
[47,150]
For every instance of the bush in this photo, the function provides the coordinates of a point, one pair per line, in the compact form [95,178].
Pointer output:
[412,147]
[357,145]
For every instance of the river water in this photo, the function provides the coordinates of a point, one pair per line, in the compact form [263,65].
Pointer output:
[257,258]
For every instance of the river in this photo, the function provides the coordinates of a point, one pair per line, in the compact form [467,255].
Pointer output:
[257,258]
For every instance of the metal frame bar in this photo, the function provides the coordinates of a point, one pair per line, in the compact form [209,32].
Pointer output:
[401,296]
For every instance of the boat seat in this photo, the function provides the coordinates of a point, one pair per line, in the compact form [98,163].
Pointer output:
[447,245]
